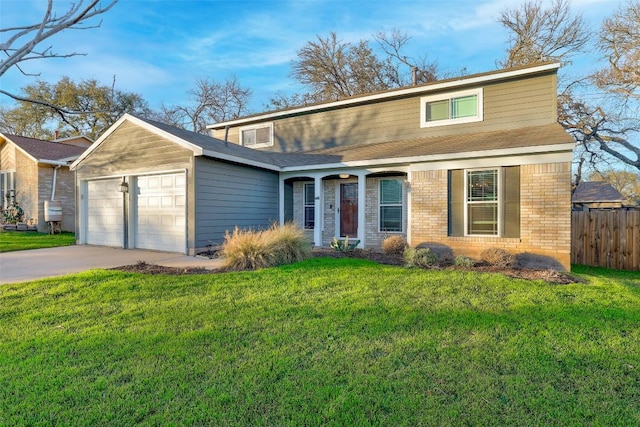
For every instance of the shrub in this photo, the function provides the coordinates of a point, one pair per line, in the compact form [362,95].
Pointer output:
[394,245]
[13,214]
[245,250]
[420,257]
[251,250]
[345,245]
[463,261]
[497,257]
[289,243]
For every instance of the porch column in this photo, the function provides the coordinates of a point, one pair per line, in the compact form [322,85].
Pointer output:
[362,231]
[281,200]
[317,212]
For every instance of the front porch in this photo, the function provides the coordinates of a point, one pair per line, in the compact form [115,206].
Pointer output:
[364,205]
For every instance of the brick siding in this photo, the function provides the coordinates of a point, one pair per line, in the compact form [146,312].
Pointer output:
[545,214]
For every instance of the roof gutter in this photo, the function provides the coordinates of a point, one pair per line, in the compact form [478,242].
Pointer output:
[555,148]
[52,162]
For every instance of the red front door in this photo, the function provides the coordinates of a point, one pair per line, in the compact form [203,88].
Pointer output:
[349,209]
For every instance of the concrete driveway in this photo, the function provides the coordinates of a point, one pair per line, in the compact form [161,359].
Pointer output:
[21,266]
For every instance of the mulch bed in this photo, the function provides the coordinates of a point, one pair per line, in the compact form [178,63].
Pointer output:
[551,276]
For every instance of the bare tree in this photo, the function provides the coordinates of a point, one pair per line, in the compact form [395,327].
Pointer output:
[619,41]
[539,34]
[211,102]
[392,44]
[25,43]
[332,69]
[602,129]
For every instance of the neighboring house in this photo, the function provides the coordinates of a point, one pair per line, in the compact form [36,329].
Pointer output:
[79,140]
[33,171]
[596,195]
[468,163]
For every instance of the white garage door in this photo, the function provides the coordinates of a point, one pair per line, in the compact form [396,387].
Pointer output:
[161,212]
[104,213]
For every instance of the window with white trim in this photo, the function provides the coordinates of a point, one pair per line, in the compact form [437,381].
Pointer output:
[309,206]
[482,204]
[390,205]
[256,136]
[7,189]
[451,108]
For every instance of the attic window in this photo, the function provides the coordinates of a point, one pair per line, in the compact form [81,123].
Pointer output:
[451,108]
[256,136]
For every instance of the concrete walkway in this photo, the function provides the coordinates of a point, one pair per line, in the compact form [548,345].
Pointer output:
[21,266]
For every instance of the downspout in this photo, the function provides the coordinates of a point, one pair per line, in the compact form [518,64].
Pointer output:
[226,135]
[53,185]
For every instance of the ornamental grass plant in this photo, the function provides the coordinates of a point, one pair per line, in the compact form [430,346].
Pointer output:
[255,249]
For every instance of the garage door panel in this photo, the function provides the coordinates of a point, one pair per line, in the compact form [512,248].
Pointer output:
[104,213]
[161,215]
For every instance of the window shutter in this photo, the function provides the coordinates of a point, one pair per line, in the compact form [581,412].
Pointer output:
[456,202]
[511,201]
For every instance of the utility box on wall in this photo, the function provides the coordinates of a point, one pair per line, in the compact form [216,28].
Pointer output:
[52,211]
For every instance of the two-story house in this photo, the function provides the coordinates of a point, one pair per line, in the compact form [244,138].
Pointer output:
[466,163]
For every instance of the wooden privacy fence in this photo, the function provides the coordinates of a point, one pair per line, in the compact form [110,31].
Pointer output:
[606,239]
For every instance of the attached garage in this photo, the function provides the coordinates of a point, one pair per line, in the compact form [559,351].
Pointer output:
[160,214]
[148,185]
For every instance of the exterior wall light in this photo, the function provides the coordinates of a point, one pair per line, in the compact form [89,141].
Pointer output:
[124,187]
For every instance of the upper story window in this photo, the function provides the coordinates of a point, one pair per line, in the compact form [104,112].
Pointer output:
[451,108]
[256,136]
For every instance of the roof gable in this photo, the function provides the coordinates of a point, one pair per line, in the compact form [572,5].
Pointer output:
[199,144]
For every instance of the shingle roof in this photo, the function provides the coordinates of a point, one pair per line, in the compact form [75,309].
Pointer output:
[596,192]
[45,150]
[513,138]
[497,140]
[216,145]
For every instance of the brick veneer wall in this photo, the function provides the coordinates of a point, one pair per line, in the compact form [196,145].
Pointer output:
[374,237]
[545,214]
[65,193]
[27,186]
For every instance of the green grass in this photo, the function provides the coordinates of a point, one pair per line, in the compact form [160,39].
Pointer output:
[22,240]
[321,342]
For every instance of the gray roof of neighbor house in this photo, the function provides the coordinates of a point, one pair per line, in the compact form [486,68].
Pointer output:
[539,136]
[45,150]
[597,191]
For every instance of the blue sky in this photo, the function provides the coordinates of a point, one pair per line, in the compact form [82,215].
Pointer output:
[158,48]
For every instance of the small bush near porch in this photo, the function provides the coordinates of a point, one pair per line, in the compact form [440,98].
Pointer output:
[22,240]
[342,342]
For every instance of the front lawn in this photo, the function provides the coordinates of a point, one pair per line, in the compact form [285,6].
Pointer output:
[322,342]
[22,240]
